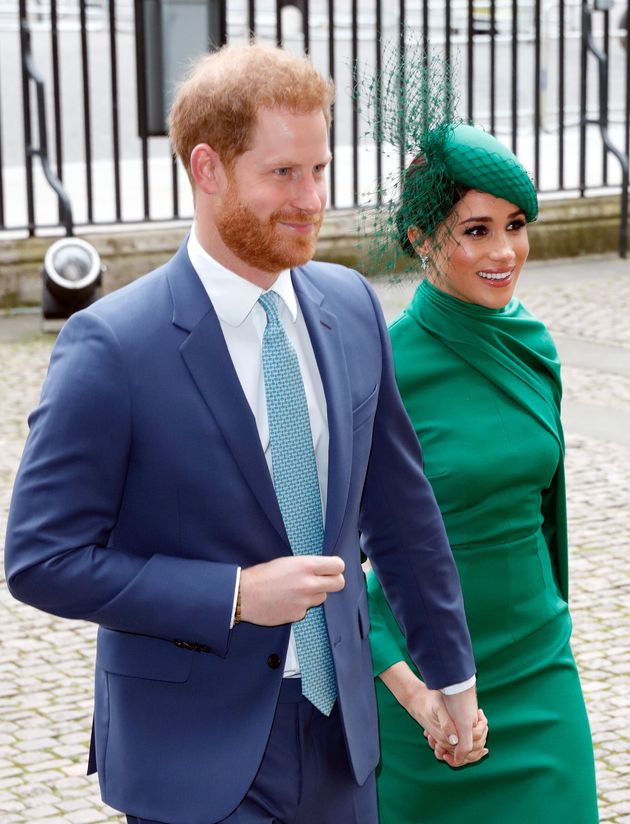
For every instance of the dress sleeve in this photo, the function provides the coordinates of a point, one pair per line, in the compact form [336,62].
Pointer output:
[554,527]
[386,640]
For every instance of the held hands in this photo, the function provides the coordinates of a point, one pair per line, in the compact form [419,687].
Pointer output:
[479,749]
[281,591]
[462,709]
[445,726]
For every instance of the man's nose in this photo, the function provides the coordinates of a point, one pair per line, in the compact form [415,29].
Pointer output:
[310,195]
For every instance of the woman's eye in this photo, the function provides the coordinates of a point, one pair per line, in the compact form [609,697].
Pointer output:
[515,225]
[476,231]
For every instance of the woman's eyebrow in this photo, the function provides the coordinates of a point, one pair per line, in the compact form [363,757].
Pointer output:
[481,219]
[488,219]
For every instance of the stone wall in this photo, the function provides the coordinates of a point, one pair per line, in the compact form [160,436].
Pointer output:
[565,228]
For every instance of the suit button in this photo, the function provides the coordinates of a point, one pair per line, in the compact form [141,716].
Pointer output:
[273,661]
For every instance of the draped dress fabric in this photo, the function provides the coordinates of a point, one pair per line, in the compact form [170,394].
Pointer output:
[482,388]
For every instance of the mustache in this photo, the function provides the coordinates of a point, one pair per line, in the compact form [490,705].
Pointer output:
[297,217]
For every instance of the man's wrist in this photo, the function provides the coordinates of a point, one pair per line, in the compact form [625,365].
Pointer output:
[462,686]
[237,608]
[236,603]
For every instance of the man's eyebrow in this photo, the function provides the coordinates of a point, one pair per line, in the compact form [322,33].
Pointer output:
[280,162]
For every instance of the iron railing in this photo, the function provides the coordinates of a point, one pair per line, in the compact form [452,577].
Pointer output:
[520,68]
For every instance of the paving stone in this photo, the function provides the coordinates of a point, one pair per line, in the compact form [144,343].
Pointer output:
[84,817]
[46,663]
[42,812]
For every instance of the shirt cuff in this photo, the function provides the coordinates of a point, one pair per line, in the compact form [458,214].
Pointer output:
[453,689]
[236,586]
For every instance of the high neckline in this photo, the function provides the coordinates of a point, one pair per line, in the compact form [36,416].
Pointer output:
[428,291]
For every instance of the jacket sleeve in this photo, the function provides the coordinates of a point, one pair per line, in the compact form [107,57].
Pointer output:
[387,642]
[403,535]
[66,498]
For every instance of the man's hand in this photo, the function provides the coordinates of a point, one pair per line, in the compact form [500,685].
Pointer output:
[281,591]
[462,708]
[428,708]
[479,750]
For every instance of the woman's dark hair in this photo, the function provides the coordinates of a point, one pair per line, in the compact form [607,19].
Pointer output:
[428,195]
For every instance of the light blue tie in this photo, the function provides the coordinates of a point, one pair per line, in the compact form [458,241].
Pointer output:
[297,489]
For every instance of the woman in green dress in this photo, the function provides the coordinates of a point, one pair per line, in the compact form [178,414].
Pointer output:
[480,379]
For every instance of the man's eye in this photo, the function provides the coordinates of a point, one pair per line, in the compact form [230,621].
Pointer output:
[282,172]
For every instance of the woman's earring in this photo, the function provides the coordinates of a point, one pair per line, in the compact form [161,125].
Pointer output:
[424,262]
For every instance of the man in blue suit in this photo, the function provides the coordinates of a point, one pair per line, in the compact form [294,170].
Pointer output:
[150,498]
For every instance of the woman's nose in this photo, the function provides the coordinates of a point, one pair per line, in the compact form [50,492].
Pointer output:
[503,249]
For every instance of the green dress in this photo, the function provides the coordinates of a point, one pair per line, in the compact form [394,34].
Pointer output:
[482,388]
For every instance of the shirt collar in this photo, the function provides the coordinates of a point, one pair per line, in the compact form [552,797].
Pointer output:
[232,296]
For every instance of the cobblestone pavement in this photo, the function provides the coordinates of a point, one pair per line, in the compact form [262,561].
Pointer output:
[46,664]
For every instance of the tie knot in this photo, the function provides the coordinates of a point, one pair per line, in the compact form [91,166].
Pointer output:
[269,302]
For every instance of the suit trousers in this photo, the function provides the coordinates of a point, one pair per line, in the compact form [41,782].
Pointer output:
[305,776]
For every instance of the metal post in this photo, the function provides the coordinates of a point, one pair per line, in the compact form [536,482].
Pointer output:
[25,48]
[30,73]
[589,45]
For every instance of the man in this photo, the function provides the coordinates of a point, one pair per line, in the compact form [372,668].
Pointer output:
[168,491]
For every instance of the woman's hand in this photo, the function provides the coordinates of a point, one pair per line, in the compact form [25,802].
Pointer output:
[428,708]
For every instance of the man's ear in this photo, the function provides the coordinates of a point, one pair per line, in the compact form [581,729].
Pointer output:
[206,168]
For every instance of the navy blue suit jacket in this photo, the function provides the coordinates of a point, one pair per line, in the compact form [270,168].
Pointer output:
[143,485]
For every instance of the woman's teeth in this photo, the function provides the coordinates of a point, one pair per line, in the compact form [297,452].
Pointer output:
[490,276]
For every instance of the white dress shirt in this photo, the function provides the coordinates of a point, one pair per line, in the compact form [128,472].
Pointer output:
[243,322]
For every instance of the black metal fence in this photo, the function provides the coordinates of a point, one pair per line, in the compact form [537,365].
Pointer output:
[524,73]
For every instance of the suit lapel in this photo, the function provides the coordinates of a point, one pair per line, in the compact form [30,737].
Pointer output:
[323,329]
[208,360]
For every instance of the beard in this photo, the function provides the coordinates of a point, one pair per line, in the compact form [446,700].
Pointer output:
[262,243]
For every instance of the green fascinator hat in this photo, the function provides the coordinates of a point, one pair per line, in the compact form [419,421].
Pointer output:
[480,161]
[454,158]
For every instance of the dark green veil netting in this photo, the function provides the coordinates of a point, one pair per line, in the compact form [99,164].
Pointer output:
[411,108]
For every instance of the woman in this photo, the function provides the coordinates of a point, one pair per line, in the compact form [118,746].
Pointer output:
[480,379]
